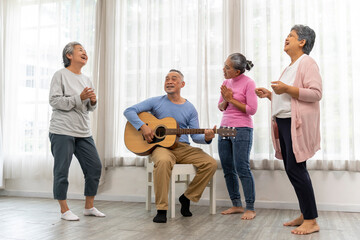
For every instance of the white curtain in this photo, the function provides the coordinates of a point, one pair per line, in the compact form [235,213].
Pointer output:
[336,51]
[138,42]
[2,31]
[133,44]
[36,32]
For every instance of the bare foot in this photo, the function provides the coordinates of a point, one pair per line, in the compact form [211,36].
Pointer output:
[233,210]
[248,215]
[307,227]
[296,222]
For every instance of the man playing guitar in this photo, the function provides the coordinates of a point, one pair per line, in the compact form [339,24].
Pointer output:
[185,114]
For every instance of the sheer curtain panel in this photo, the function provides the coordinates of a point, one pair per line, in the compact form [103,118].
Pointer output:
[336,51]
[35,35]
[132,44]
[2,33]
[138,42]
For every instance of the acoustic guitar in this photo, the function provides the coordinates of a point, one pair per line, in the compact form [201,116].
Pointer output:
[166,134]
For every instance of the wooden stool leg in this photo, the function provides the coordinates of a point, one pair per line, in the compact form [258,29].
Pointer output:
[148,195]
[212,195]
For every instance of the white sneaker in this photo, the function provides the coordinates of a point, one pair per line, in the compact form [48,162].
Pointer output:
[93,212]
[69,216]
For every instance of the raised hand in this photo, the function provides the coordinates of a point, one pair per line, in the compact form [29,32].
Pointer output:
[87,93]
[263,93]
[279,87]
[93,99]
[226,93]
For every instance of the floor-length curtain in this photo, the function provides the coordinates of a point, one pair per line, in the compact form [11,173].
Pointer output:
[139,41]
[336,51]
[35,33]
[236,32]
[2,16]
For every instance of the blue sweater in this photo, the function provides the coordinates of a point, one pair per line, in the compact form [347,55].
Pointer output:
[185,115]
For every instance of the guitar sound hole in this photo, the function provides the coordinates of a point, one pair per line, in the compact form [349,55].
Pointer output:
[160,132]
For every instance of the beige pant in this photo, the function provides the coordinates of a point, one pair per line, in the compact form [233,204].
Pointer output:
[164,160]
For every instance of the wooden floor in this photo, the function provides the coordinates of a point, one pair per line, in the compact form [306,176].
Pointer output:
[38,218]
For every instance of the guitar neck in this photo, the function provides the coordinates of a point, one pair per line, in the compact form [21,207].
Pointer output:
[179,131]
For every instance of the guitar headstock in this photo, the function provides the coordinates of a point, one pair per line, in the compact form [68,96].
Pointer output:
[226,131]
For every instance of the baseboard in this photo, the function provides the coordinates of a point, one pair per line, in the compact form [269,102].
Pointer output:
[202,202]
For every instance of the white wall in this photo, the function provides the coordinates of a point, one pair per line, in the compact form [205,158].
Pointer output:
[335,191]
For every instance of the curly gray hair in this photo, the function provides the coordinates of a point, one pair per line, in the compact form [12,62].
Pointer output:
[68,49]
[305,32]
[240,62]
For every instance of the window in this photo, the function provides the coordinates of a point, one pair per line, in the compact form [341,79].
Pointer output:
[150,38]
[34,54]
[335,24]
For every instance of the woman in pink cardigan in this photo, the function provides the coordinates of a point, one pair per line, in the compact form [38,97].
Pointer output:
[296,121]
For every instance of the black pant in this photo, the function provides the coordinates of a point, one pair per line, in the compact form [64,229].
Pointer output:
[297,172]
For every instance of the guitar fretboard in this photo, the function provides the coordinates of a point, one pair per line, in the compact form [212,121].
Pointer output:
[173,131]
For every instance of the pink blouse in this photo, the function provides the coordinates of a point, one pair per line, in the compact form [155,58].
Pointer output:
[243,89]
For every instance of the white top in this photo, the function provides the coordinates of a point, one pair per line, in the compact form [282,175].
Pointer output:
[281,104]
[70,115]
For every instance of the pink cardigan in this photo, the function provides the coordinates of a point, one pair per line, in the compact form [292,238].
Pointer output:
[305,113]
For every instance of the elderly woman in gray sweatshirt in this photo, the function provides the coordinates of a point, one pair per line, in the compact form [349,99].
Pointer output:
[72,96]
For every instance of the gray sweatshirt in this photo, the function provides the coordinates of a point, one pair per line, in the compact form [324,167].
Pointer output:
[70,115]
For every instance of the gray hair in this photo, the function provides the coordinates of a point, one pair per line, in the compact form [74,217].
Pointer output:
[305,32]
[68,49]
[177,71]
[240,63]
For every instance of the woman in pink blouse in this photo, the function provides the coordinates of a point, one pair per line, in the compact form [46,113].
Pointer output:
[238,102]
[296,121]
